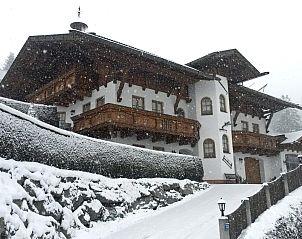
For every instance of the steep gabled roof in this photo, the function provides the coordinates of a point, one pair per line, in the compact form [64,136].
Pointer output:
[42,55]
[228,63]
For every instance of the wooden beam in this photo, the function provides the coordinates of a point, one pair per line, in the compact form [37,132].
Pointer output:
[120,91]
[235,118]
[268,122]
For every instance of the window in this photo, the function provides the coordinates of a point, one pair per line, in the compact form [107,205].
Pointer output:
[206,106]
[245,126]
[180,112]
[62,117]
[256,128]
[157,106]
[222,103]
[86,107]
[158,148]
[209,148]
[225,144]
[292,161]
[138,102]
[100,101]
[139,145]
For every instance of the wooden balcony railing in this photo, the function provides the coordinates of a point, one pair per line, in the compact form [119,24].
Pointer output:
[63,90]
[126,118]
[255,143]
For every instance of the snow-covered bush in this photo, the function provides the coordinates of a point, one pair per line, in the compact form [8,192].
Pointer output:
[45,113]
[27,139]
[39,201]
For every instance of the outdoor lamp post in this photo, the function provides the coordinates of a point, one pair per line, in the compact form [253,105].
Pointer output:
[221,205]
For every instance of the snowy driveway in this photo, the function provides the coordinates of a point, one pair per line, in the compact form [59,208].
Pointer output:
[194,219]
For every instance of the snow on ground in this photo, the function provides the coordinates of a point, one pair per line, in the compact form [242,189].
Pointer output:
[193,218]
[45,202]
[267,221]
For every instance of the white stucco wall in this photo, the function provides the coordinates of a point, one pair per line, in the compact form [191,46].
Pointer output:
[270,167]
[173,147]
[282,157]
[242,117]
[211,127]
[110,93]
[110,97]
[149,95]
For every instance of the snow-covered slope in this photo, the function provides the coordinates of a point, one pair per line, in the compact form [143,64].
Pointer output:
[196,218]
[39,201]
[281,221]
[27,139]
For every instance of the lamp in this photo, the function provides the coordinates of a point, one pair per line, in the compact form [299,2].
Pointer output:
[221,205]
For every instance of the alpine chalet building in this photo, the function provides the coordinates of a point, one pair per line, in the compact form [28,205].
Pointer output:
[108,90]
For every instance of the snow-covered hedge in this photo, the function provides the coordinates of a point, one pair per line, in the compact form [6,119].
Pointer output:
[45,113]
[39,201]
[27,139]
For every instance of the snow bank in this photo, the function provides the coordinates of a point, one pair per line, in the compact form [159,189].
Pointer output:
[45,202]
[281,221]
[25,138]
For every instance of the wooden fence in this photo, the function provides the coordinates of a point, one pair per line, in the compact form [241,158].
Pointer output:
[268,195]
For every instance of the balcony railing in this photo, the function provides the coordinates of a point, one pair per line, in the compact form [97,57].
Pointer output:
[138,121]
[63,90]
[255,143]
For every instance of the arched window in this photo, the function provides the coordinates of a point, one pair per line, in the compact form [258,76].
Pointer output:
[180,112]
[206,106]
[222,103]
[225,144]
[209,148]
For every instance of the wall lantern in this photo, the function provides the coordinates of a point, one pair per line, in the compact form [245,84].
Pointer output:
[221,205]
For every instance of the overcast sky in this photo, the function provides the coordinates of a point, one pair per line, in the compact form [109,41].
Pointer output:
[268,33]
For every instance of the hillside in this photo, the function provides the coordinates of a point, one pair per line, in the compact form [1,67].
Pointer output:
[25,138]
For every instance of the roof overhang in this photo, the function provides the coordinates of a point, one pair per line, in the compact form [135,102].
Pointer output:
[229,63]
[245,98]
[41,56]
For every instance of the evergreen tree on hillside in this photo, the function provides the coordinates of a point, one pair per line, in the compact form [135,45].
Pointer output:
[287,120]
[9,61]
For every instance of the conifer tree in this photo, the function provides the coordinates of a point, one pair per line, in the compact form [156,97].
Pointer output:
[287,120]
[9,61]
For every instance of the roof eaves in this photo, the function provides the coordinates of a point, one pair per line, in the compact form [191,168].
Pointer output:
[146,54]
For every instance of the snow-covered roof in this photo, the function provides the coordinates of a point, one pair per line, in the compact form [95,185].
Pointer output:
[292,137]
[48,52]
[229,63]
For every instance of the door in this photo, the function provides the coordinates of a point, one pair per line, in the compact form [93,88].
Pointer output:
[252,171]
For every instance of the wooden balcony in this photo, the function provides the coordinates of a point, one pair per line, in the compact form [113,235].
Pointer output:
[64,90]
[254,143]
[105,121]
